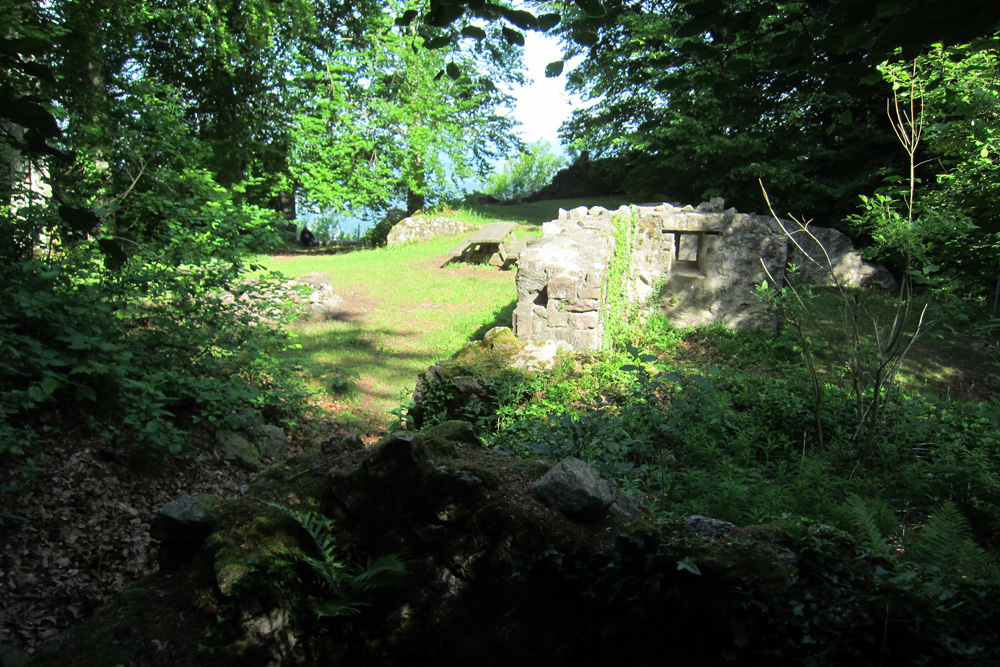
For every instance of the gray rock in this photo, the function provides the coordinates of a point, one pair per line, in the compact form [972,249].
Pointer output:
[576,489]
[315,279]
[270,440]
[421,229]
[627,507]
[181,526]
[702,526]
[326,308]
[178,518]
[235,447]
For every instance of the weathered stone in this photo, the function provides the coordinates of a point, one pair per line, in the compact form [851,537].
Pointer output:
[182,525]
[11,656]
[695,266]
[314,279]
[702,526]
[326,308]
[582,306]
[584,320]
[626,506]
[235,447]
[576,489]
[562,287]
[422,229]
[271,440]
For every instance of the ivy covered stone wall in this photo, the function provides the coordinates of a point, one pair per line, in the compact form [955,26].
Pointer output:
[695,265]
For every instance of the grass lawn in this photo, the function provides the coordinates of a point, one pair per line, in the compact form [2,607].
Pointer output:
[403,311]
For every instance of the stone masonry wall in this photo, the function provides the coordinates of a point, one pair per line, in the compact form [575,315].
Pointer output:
[695,265]
[422,229]
[560,277]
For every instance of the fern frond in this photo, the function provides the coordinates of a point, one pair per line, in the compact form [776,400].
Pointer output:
[386,570]
[334,608]
[945,542]
[867,530]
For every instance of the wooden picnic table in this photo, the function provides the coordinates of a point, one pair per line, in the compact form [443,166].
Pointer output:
[495,242]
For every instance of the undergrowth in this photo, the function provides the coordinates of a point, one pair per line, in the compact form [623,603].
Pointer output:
[721,423]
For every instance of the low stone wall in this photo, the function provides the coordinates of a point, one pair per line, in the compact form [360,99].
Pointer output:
[560,276]
[422,229]
[695,265]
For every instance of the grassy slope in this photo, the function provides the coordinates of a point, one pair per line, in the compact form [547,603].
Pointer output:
[403,312]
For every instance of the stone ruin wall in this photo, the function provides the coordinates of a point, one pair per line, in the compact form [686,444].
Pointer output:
[695,265]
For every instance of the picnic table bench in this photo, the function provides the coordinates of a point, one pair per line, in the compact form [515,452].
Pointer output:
[495,243]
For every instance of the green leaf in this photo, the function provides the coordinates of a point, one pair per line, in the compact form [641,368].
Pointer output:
[114,254]
[474,32]
[32,116]
[79,220]
[444,15]
[513,36]
[548,21]
[705,8]
[407,17]
[696,26]
[592,8]
[454,71]
[688,564]
[586,37]
[522,19]
[438,42]
[554,69]
[49,385]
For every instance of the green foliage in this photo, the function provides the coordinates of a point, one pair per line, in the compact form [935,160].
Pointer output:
[619,304]
[136,358]
[737,440]
[529,173]
[342,589]
[383,124]
[947,231]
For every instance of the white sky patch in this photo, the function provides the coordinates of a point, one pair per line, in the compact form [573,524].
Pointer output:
[543,105]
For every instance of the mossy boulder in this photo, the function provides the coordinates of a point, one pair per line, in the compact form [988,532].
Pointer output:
[495,577]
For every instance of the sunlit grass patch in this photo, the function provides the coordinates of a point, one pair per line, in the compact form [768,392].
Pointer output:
[403,311]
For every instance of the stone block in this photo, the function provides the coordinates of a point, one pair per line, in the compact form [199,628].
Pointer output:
[593,293]
[558,318]
[562,287]
[582,305]
[584,320]
[522,320]
[589,339]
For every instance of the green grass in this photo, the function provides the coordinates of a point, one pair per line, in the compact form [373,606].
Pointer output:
[403,311]
[534,213]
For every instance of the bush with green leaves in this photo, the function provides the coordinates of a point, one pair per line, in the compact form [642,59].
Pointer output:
[726,426]
[529,173]
[135,358]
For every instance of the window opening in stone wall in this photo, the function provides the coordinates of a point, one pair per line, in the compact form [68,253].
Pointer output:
[686,249]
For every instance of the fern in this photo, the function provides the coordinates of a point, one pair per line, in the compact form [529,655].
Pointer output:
[344,585]
[945,543]
[868,532]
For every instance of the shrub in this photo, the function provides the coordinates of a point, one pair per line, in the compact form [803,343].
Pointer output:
[531,172]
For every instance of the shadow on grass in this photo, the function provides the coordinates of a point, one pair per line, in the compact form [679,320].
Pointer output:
[359,369]
[502,317]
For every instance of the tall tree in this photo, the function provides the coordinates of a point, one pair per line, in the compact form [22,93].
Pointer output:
[399,121]
[713,95]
